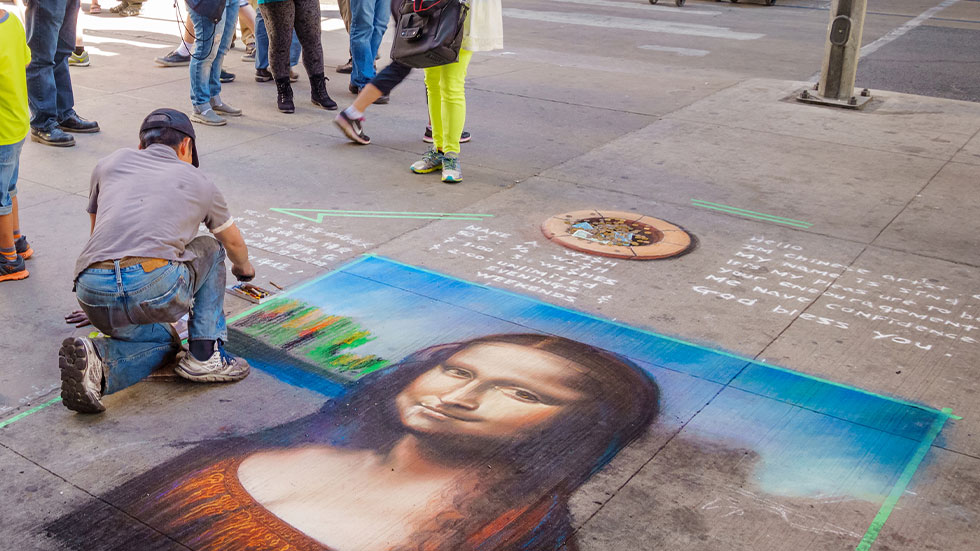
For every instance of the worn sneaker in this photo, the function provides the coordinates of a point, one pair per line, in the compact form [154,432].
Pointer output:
[173,59]
[79,60]
[221,367]
[346,68]
[352,128]
[208,117]
[225,77]
[263,75]
[427,136]
[23,247]
[430,162]
[82,374]
[451,171]
[13,270]
[225,109]
[249,55]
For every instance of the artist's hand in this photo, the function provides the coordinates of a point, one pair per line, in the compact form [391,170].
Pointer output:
[244,273]
[78,318]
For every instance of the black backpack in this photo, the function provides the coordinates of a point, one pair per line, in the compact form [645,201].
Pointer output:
[428,33]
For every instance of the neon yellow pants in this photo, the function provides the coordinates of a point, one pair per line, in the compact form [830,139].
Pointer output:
[447,102]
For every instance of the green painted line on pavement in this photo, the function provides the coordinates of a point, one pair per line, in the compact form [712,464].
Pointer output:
[380,214]
[727,211]
[34,409]
[903,481]
[746,212]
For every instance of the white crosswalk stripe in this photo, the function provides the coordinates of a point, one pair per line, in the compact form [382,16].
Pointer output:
[625,23]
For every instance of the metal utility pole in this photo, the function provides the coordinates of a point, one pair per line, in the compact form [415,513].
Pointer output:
[841,55]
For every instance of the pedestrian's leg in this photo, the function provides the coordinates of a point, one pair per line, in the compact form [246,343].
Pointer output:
[361,37]
[344,7]
[66,45]
[453,111]
[279,23]
[43,22]
[202,59]
[225,32]
[246,21]
[261,42]
[308,29]
[433,87]
[381,16]
[9,165]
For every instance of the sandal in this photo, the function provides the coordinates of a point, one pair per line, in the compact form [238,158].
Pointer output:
[94,10]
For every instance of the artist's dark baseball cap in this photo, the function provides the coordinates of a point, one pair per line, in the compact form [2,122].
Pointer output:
[172,118]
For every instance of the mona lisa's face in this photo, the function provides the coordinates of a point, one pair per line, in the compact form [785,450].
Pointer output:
[491,391]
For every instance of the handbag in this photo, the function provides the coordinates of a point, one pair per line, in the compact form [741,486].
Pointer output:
[212,9]
[429,33]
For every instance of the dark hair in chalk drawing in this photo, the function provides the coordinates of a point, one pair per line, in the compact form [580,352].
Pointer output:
[510,498]
[544,468]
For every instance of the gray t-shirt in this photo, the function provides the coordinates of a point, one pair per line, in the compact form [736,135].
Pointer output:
[149,203]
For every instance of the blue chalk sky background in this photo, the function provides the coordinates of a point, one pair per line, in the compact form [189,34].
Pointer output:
[814,439]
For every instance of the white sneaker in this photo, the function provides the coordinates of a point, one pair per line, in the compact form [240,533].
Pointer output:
[82,372]
[221,367]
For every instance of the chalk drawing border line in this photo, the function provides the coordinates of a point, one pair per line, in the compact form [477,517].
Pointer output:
[323,213]
[751,214]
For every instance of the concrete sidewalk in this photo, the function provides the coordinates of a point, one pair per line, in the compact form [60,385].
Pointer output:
[837,244]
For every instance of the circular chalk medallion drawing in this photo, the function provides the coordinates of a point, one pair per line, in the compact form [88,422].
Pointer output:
[618,234]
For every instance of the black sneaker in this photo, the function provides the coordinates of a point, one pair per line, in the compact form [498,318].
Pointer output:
[352,128]
[23,247]
[74,123]
[56,137]
[427,136]
[173,59]
[262,75]
[383,100]
[13,270]
[226,77]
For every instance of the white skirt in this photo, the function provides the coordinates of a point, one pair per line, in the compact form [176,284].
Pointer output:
[484,27]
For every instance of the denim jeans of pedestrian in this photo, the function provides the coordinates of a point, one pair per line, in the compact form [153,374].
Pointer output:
[369,19]
[50,29]
[9,168]
[210,45]
[136,308]
[262,44]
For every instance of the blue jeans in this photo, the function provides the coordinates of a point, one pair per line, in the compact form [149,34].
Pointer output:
[368,21]
[9,167]
[135,309]
[262,44]
[210,44]
[51,37]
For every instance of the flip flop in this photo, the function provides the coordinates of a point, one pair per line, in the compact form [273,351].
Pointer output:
[94,10]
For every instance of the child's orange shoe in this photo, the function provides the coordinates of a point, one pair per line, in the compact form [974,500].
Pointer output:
[10,271]
[23,247]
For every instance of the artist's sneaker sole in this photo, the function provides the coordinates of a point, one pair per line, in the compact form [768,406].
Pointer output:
[213,377]
[72,361]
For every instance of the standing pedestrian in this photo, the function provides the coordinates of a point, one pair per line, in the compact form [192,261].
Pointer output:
[51,37]
[483,31]
[210,45]
[282,17]
[14,124]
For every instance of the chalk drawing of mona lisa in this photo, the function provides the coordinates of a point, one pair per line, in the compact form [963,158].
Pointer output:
[465,446]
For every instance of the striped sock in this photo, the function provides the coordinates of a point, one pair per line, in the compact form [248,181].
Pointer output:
[10,255]
[16,235]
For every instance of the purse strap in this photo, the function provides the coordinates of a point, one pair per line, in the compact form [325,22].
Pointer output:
[417,5]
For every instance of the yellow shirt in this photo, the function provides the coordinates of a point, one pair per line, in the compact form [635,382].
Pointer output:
[15,115]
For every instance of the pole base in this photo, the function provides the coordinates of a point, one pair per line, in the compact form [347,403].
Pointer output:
[855,102]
